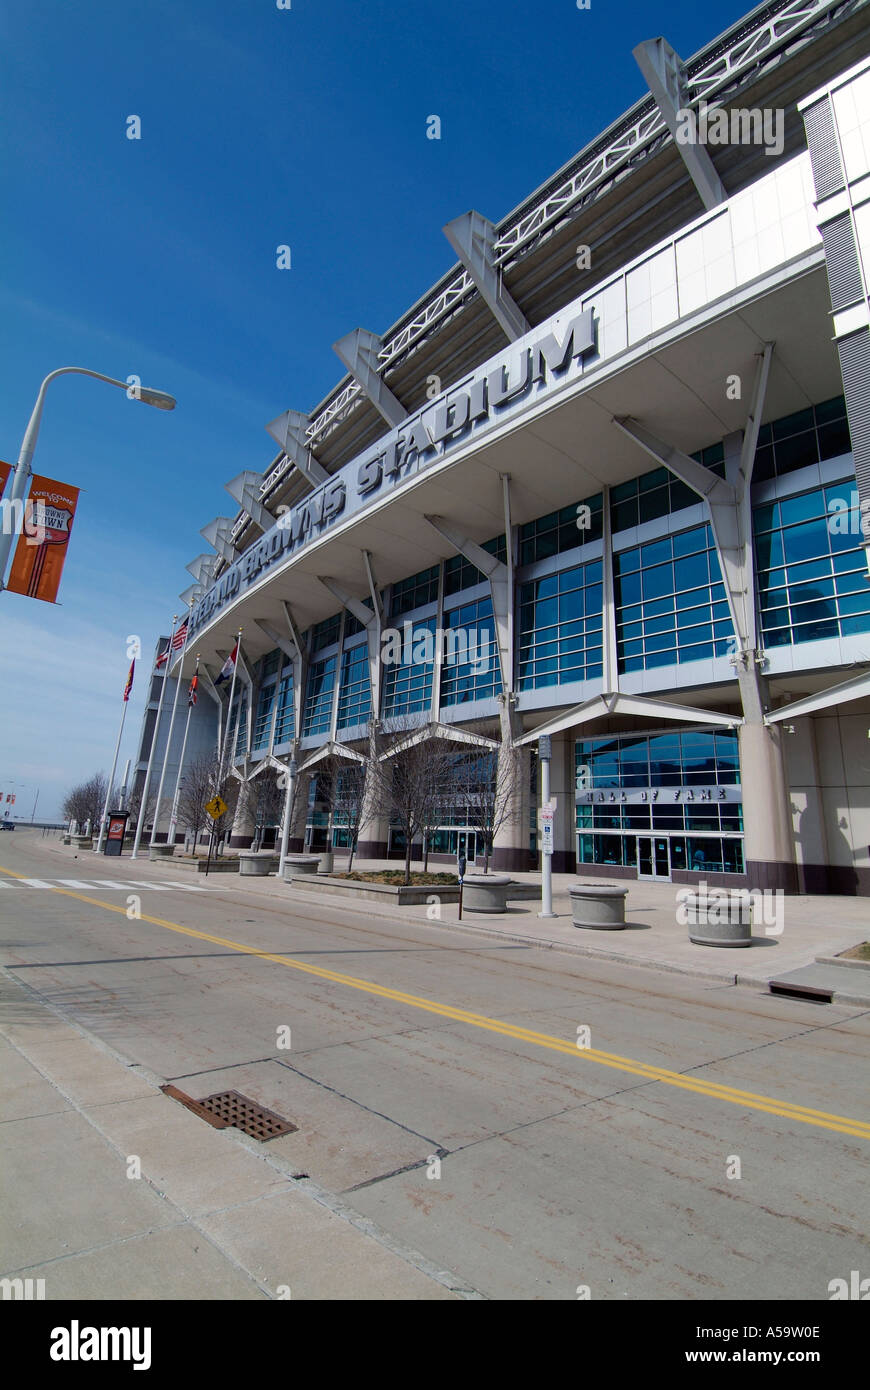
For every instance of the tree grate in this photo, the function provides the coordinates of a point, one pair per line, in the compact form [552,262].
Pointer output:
[232,1110]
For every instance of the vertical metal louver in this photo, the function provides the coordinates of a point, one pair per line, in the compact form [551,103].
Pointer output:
[855,368]
[844,272]
[824,151]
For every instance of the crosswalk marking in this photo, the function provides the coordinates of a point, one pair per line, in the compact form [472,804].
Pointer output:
[90,884]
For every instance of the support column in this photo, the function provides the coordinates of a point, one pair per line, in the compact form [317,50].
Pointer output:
[242,832]
[768,842]
[562,792]
[510,850]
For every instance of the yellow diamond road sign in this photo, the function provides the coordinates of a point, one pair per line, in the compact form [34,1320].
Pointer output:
[216,807]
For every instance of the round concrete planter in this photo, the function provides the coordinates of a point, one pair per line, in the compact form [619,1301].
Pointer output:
[325,862]
[599,906]
[255,863]
[719,919]
[161,851]
[485,893]
[297,865]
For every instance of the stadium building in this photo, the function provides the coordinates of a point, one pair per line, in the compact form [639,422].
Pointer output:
[627,439]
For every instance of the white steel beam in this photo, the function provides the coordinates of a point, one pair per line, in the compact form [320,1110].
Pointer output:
[855,689]
[665,77]
[290,432]
[472,237]
[244,489]
[359,353]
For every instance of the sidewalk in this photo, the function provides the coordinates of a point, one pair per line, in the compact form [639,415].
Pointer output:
[814,927]
[213,1215]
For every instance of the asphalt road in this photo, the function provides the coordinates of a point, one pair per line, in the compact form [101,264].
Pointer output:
[612,1167]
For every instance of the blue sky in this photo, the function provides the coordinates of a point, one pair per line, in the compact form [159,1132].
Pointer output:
[157,256]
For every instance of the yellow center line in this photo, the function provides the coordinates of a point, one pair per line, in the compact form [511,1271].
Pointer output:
[842,1124]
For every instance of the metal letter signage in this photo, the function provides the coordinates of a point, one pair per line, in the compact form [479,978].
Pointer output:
[499,389]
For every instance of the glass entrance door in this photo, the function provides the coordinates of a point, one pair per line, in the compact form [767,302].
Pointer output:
[653,857]
[466,844]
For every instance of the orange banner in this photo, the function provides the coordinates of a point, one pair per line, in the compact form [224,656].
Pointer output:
[5,470]
[42,545]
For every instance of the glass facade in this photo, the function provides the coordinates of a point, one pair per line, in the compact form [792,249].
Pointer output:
[355,694]
[415,592]
[560,627]
[796,441]
[263,721]
[408,684]
[471,667]
[812,573]
[557,531]
[460,573]
[671,604]
[318,701]
[284,720]
[680,788]
[241,731]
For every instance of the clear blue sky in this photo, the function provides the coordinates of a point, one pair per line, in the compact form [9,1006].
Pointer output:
[260,127]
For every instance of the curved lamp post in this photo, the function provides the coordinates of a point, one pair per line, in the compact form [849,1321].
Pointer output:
[160,399]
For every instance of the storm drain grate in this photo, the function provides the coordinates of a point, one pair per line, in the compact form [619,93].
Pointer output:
[232,1110]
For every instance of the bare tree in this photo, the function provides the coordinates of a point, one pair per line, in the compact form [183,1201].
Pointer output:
[341,787]
[265,802]
[486,783]
[410,769]
[199,785]
[134,806]
[86,801]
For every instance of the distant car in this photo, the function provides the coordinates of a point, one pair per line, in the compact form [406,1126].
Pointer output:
[7,825]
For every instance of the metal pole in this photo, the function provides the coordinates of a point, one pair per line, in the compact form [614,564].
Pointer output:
[168,738]
[220,781]
[545,749]
[288,806]
[173,819]
[111,780]
[143,805]
[123,798]
[28,446]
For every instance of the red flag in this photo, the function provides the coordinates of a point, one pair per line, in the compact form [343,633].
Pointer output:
[129,686]
[191,694]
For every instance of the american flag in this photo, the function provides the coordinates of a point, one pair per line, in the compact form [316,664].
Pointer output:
[178,640]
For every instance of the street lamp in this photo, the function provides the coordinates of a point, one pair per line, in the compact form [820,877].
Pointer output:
[160,399]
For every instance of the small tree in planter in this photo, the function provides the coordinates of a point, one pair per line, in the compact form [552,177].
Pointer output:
[487,783]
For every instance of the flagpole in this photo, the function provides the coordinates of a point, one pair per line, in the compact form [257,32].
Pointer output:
[229,711]
[143,805]
[111,780]
[220,780]
[173,819]
[171,727]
